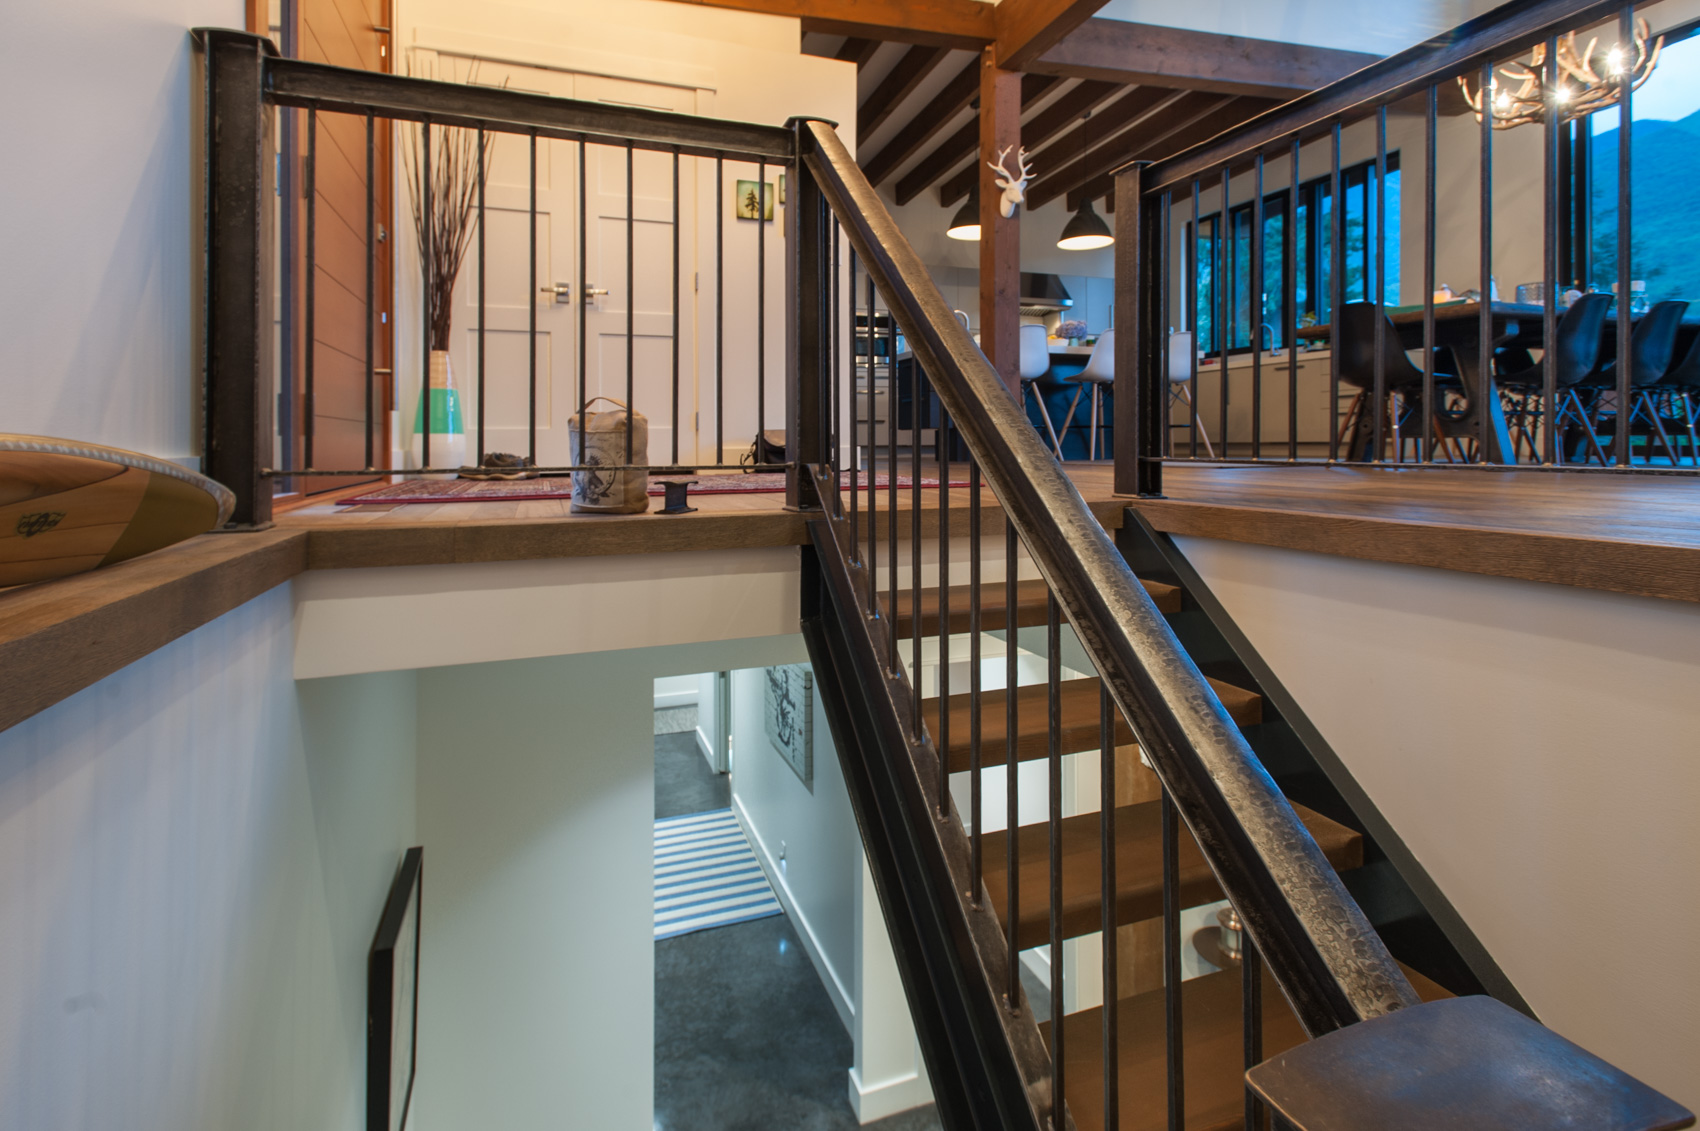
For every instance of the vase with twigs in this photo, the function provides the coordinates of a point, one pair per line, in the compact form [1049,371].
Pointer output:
[443,168]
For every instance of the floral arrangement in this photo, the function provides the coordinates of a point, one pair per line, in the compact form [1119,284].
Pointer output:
[1074,328]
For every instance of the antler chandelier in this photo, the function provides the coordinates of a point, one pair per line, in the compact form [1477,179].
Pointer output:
[1579,89]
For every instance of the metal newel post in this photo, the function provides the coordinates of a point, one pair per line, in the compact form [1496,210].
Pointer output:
[807,326]
[1139,388]
[240,212]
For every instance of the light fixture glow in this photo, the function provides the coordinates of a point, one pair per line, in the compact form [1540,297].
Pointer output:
[965,225]
[1085,231]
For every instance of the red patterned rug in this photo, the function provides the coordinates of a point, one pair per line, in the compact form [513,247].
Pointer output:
[501,491]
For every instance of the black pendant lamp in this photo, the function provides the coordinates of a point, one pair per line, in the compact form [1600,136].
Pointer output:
[965,225]
[1085,231]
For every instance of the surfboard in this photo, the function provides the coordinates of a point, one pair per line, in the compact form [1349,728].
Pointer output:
[67,507]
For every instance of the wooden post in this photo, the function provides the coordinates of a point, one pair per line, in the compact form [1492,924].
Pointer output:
[1000,237]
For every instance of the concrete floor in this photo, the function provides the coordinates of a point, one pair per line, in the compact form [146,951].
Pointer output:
[745,1036]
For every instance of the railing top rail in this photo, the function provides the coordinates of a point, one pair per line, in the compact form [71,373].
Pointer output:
[291,82]
[1324,952]
[1508,30]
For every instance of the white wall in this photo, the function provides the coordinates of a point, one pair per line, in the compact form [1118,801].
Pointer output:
[1349,25]
[192,862]
[1534,747]
[96,302]
[677,691]
[808,842]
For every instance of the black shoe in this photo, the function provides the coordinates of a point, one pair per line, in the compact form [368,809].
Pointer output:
[501,465]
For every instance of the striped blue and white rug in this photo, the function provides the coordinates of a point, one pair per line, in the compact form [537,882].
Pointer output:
[706,875]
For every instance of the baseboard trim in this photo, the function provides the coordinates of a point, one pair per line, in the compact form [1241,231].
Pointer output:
[888,1097]
[666,699]
[705,748]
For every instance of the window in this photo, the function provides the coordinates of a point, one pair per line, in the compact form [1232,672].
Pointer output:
[1267,316]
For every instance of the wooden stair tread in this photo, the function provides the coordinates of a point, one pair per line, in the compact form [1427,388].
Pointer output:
[1030,605]
[1213,1057]
[1079,713]
[1139,869]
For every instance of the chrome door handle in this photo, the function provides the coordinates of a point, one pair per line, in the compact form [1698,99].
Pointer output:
[590,293]
[563,292]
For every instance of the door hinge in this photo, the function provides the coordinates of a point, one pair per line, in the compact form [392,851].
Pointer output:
[696,281]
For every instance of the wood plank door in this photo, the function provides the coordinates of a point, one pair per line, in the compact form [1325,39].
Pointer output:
[337,426]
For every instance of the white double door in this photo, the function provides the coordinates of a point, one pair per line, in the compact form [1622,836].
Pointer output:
[604,296]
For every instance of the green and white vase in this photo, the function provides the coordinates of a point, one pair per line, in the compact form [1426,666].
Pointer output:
[448,421]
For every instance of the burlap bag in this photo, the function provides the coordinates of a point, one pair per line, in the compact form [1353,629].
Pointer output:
[599,440]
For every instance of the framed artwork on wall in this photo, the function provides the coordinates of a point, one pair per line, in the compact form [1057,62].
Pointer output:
[392,1001]
[788,717]
[748,203]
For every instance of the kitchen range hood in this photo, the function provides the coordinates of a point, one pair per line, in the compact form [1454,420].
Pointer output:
[1043,294]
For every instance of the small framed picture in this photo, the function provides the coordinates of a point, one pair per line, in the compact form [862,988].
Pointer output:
[782,188]
[749,204]
[788,717]
[392,1002]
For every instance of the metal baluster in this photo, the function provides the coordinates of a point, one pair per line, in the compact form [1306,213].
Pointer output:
[1625,137]
[583,301]
[891,476]
[835,406]
[1378,438]
[719,309]
[1107,903]
[1484,355]
[631,301]
[371,278]
[1431,150]
[1251,999]
[1172,1012]
[531,337]
[1167,321]
[1224,293]
[1292,306]
[1255,307]
[976,861]
[1337,292]
[1053,682]
[941,449]
[309,345]
[761,311]
[1549,268]
[855,447]
[873,450]
[677,427]
[480,295]
[425,296]
[1012,787]
[915,396]
[1192,318]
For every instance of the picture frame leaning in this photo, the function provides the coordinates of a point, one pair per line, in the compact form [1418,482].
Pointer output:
[392,1000]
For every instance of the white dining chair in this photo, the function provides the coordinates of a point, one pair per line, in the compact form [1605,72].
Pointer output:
[1180,382]
[1099,373]
[1035,362]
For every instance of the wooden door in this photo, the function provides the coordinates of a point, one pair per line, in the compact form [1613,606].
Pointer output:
[337,423]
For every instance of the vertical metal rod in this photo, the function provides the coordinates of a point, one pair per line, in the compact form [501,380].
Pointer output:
[761,311]
[976,864]
[835,406]
[873,454]
[1484,355]
[916,396]
[1251,998]
[425,296]
[310,277]
[941,452]
[531,323]
[1107,903]
[1012,783]
[1625,138]
[1549,268]
[1336,289]
[1053,683]
[631,299]
[677,426]
[1431,157]
[1166,261]
[1255,307]
[372,282]
[855,447]
[1221,273]
[583,298]
[719,308]
[891,473]
[1291,306]
[1197,330]
[1378,434]
[1172,1012]
[481,295]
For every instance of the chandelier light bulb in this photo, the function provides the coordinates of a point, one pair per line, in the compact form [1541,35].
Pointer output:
[1614,60]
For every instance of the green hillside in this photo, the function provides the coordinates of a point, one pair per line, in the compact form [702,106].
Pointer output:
[1666,207]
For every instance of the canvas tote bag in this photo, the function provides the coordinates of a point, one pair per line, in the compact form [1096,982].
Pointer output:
[599,440]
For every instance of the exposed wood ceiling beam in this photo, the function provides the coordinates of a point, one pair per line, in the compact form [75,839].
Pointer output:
[1176,115]
[1066,112]
[1118,51]
[1202,129]
[927,124]
[857,50]
[965,24]
[963,144]
[910,72]
[1029,28]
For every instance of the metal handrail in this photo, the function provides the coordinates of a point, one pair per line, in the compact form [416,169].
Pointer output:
[1321,948]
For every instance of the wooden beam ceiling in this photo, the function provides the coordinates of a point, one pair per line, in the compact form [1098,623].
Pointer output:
[965,24]
[1178,111]
[963,144]
[932,119]
[910,72]
[1066,112]
[1213,122]
[1029,28]
[857,50]
[1118,51]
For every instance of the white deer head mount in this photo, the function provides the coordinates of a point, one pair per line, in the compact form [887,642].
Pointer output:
[1014,186]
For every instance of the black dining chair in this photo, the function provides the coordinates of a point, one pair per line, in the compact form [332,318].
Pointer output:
[1403,379]
[1652,347]
[1577,348]
[1680,387]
